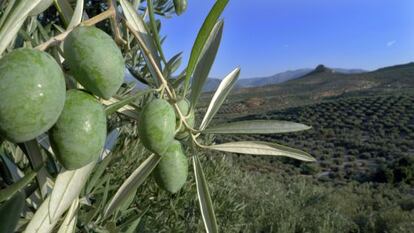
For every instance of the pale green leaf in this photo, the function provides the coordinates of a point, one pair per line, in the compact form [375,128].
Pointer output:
[77,14]
[68,186]
[201,39]
[69,223]
[13,21]
[262,148]
[256,127]
[205,62]
[204,199]
[219,96]
[138,24]
[40,223]
[132,183]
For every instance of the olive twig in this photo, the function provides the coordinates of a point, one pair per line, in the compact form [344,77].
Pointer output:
[114,23]
[92,21]
[151,59]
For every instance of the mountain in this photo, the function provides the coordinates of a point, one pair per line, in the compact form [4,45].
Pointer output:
[325,82]
[212,83]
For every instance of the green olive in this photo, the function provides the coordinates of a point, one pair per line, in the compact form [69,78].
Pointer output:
[180,6]
[32,94]
[94,60]
[156,125]
[184,107]
[78,137]
[171,172]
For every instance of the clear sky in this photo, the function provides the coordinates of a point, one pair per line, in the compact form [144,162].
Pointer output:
[264,37]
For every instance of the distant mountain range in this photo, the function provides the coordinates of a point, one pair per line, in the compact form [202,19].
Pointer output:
[212,83]
[325,82]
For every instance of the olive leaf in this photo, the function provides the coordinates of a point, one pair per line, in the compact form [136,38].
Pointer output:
[138,24]
[207,57]
[202,37]
[65,10]
[256,127]
[122,105]
[68,186]
[13,21]
[204,199]
[132,183]
[262,148]
[77,14]
[69,223]
[154,29]
[40,223]
[219,96]
[15,187]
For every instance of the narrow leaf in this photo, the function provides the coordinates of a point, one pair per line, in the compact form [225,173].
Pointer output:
[68,186]
[132,183]
[65,10]
[204,198]
[206,61]
[69,223]
[13,21]
[262,148]
[202,36]
[77,14]
[138,24]
[256,127]
[219,96]
[14,188]
[115,105]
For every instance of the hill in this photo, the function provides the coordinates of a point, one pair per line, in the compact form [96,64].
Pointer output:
[212,83]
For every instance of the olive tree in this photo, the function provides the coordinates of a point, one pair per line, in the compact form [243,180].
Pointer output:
[63,99]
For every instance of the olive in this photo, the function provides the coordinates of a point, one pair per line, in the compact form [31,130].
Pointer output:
[78,137]
[94,60]
[156,125]
[172,170]
[32,94]
[184,107]
[180,6]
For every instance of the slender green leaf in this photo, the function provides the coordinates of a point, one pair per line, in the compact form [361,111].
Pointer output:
[77,14]
[40,223]
[204,198]
[201,39]
[68,186]
[65,10]
[205,62]
[14,188]
[256,127]
[154,29]
[113,107]
[262,148]
[10,5]
[138,24]
[32,150]
[219,96]
[132,183]
[100,169]
[172,65]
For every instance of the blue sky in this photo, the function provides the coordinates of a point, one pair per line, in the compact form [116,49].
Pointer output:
[264,37]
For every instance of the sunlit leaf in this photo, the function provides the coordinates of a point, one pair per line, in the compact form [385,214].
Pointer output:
[69,223]
[204,199]
[13,21]
[256,127]
[68,186]
[205,62]
[115,105]
[65,10]
[262,148]
[219,96]
[77,14]
[132,183]
[202,37]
